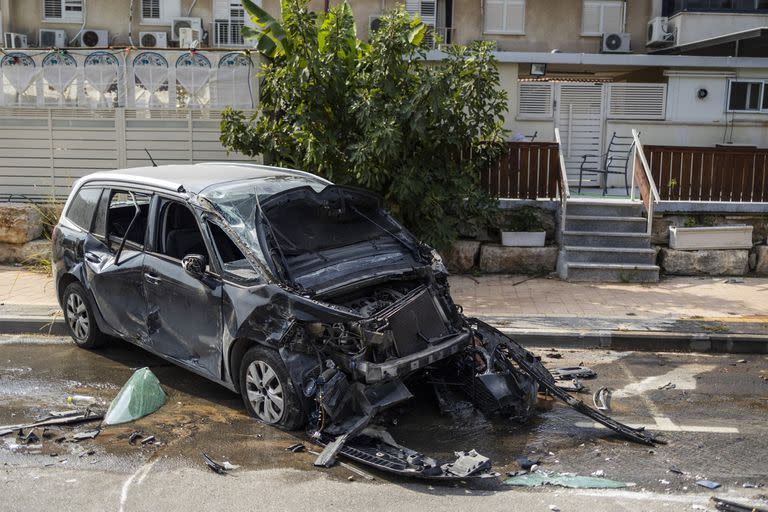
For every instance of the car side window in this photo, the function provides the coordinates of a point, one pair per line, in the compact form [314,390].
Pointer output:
[179,233]
[120,214]
[233,261]
[81,208]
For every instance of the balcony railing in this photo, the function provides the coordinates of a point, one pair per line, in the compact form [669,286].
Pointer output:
[526,170]
[127,78]
[674,6]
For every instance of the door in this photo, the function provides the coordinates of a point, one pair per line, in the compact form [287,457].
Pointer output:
[184,312]
[579,116]
[116,282]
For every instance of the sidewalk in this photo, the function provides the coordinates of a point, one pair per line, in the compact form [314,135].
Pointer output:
[679,313]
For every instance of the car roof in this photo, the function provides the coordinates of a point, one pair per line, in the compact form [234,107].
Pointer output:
[194,177]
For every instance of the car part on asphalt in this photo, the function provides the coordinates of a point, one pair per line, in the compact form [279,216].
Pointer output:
[72,419]
[90,434]
[220,468]
[709,484]
[148,440]
[297,448]
[732,506]
[574,372]
[134,436]
[323,323]
[602,399]
[526,463]
[140,395]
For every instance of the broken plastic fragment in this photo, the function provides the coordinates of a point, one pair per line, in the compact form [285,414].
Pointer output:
[86,435]
[709,484]
[141,395]
[574,482]
[216,467]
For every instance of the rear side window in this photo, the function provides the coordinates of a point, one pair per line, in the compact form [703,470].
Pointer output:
[81,208]
[120,215]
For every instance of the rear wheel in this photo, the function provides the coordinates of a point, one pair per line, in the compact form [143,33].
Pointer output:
[267,389]
[78,315]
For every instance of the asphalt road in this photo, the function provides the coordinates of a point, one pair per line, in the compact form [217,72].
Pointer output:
[714,420]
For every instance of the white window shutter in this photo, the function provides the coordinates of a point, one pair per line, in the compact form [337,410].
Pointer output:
[637,101]
[52,8]
[535,99]
[612,15]
[170,9]
[150,9]
[590,18]
[514,21]
[494,15]
[428,12]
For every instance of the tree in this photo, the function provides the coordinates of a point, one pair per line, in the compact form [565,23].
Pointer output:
[376,115]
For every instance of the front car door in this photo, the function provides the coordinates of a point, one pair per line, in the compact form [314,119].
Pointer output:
[184,311]
[116,282]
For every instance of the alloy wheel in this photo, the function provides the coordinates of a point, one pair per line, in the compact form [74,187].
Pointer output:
[264,391]
[77,316]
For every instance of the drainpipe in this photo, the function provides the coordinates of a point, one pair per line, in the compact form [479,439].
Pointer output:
[624,16]
[5,16]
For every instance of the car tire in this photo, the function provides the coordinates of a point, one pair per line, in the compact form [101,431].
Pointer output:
[267,390]
[78,315]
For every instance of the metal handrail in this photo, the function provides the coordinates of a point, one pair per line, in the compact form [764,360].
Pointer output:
[641,153]
[563,172]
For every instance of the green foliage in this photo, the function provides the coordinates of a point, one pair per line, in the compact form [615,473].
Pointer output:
[376,115]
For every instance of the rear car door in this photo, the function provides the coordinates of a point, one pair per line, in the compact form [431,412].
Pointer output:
[184,311]
[116,282]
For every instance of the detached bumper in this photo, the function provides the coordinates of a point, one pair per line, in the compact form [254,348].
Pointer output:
[397,368]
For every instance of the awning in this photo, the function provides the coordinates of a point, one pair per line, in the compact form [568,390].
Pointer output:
[746,43]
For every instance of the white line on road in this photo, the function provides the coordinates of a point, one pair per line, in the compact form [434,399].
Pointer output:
[142,472]
[664,424]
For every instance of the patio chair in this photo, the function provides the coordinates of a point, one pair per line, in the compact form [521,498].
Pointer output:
[613,161]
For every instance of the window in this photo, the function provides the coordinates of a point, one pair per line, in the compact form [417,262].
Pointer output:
[65,11]
[232,260]
[122,210]
[504,17]
[81,209]
[636,101]
[535,100]
[230,17]
[179,234]
[600,17]
[747,96]
[160,12]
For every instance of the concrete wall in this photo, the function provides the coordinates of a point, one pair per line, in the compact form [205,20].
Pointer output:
[695,26]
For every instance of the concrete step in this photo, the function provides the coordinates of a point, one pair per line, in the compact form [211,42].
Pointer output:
[606,239]
[609,255]
[612,272]
[603,223]
[604,208]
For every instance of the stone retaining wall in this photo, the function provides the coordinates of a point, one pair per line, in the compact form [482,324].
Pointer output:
[726,262]
[21,226]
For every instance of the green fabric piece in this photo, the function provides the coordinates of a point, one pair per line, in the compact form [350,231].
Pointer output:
[574,482]
[140,395]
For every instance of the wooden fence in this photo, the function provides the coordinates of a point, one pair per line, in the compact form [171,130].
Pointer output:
[528,170]
[709,174]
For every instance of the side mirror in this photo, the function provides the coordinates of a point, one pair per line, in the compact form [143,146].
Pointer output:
[194,264]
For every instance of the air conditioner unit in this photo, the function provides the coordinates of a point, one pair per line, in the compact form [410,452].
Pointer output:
[188,37]
[660,32]
[14,40]
[153,39]
[616,43]
[177,23]
[52,38]
[90,38]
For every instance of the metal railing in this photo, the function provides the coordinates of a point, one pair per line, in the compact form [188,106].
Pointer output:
[564,190]
[642,177]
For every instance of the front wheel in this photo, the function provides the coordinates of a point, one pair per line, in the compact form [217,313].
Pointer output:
[267,389]
[78,314]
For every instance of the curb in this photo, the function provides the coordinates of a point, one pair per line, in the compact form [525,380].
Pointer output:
[654,341]
[658,341]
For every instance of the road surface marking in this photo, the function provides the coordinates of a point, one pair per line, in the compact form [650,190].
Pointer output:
[665,424]
[142,472]
[683,377]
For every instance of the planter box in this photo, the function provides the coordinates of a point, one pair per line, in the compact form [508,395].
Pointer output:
[715,237]
[523,238]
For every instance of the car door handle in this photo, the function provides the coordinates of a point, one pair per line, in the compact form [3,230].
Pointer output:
[152,279]
[93,258]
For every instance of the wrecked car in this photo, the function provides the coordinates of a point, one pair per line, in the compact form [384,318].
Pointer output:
[307,298]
